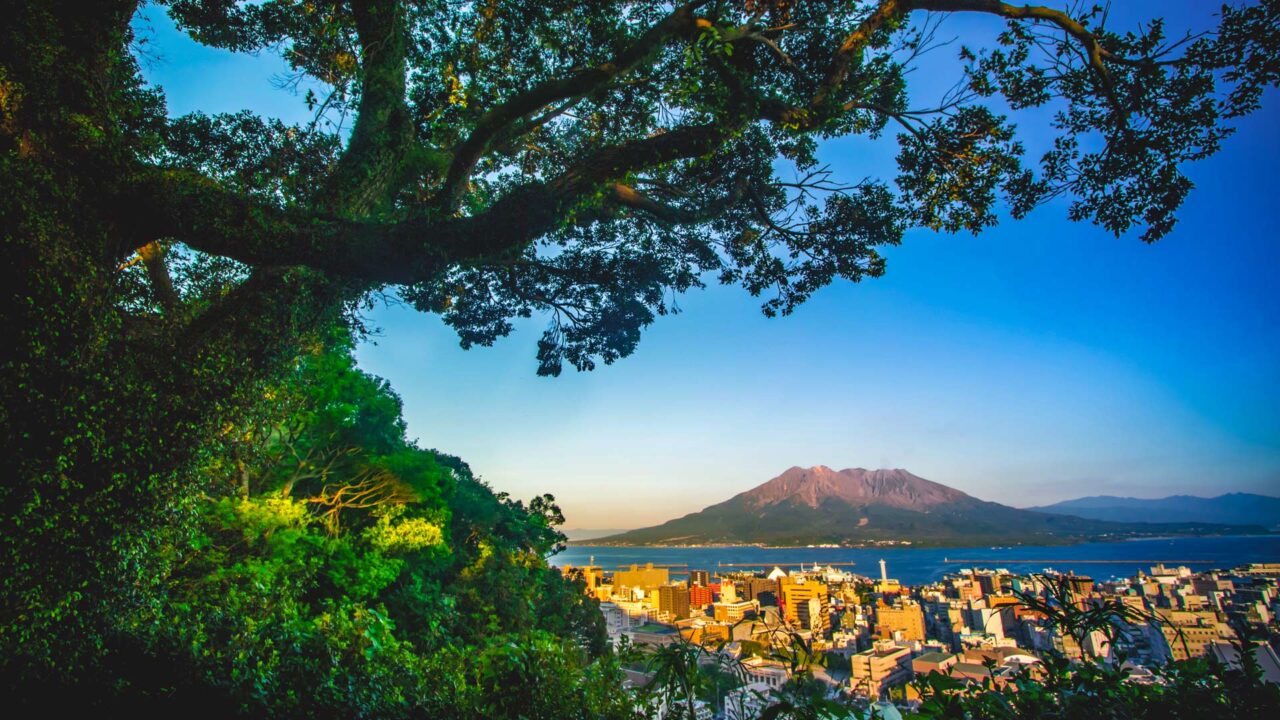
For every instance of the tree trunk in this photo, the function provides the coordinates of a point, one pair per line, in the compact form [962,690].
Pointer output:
[102,414]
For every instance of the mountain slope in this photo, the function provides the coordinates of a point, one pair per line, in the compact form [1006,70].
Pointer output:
[590,533]
[1232,508]
[820,505]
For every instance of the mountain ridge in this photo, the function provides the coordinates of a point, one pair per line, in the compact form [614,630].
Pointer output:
[818,505]
[896,487]
[1236,507]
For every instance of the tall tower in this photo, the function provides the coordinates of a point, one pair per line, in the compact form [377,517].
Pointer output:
[884,572]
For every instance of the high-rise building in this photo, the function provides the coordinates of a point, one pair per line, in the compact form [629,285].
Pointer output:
[699,596]
[647,577]
[1081,586]
[813,615]
[904,620]
[674,599]
[699,577]
[796,594]
[592,574]
[992,584]
[760,589]
[728,591]
[983,620]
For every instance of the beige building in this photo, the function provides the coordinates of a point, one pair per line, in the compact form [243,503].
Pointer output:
[934,662]
[734,611]
[904,620]
[645,578]
[1191,634]
[883,666]
[728,592]
[770,672]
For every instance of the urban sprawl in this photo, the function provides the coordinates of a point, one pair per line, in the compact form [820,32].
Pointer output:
[869,638]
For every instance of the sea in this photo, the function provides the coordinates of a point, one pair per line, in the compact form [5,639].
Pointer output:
[918,566]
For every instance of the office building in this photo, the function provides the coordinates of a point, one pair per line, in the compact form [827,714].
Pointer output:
[645,577]
[674,599]
[904,620]
[885,665]
[797,592]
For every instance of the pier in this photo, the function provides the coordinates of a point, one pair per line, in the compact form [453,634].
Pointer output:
[780,564]
[1010,561]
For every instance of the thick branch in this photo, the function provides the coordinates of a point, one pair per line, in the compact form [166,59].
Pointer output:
[495,121]
[852,46]
[152,256]
[670,214]
[373,162]
[188,207]
[1033,12]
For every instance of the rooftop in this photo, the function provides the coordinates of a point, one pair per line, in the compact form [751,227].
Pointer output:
[969,669]
[654,628]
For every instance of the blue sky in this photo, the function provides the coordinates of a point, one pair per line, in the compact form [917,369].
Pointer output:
[1040,361]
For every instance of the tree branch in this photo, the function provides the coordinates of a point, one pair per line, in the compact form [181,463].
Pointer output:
[152,255]
[186,206]
[373,163]
[1035,12]
[493,122]
[670,214]
[888,11]
[893,10]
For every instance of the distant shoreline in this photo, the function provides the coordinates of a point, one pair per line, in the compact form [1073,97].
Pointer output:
[917,564]
[919,544]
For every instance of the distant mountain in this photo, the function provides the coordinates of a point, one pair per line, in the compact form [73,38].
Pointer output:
[590,533]
[819,505]
[1232,508]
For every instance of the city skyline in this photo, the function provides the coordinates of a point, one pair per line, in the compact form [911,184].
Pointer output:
[1040,361]
[982,623]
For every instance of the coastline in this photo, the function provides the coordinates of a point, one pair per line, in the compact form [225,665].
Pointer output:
[922,544]
[1110,557]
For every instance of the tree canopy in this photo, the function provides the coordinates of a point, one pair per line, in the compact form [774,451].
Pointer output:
[589,161]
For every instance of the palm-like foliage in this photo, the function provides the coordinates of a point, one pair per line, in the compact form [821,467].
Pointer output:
[1079,617]
[678,679]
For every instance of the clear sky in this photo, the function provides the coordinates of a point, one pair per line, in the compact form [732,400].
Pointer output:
[1040,361]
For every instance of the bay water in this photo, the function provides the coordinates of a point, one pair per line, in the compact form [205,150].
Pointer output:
[916,566]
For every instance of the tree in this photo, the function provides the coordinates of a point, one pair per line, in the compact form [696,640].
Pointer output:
[434,603]
[583,160]
[677,677]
